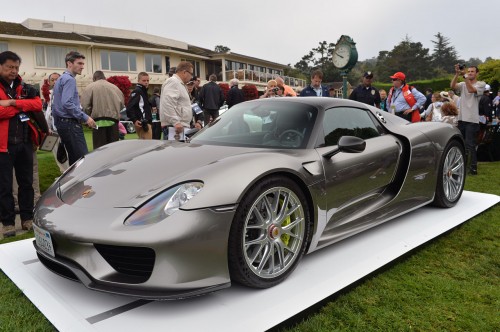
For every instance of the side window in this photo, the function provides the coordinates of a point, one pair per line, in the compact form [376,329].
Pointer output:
[346,121]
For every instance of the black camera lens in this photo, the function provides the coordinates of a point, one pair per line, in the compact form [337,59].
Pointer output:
[144,125]
[461,66]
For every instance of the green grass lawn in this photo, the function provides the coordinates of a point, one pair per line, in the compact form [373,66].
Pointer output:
[451,283]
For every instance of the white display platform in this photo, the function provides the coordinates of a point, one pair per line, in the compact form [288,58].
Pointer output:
[72,307]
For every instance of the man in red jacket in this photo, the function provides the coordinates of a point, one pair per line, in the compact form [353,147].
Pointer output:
[17,135]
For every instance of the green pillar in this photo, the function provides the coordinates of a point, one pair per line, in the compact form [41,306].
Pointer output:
[344,83]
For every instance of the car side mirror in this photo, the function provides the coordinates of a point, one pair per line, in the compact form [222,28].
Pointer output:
[348,144]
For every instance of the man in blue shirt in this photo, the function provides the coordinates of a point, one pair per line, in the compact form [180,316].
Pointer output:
[403,99]
[67,111]
[315,89]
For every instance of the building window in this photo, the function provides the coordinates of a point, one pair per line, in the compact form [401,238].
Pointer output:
[3,47]
[51,56]
[274,71]
[153,63]
[118,61]
[234,65]
[167,64]
[196,66]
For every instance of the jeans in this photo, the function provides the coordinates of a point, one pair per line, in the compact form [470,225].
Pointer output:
[469,131]
[71,133]
[19,158]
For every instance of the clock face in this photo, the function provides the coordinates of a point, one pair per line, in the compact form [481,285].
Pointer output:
[341,56]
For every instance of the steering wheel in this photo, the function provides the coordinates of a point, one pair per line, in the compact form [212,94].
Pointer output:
[291,138]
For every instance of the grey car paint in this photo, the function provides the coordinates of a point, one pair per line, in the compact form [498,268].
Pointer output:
[191,245]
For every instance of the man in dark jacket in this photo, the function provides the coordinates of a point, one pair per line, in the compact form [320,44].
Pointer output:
[485,105]
[17,136]
[211,99]
[315,89]
[365,92]
[234,95]
[139,109]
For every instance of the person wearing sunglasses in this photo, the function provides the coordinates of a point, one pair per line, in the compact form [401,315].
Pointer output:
[175,103]
[404,100]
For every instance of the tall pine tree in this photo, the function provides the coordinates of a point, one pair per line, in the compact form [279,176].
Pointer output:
[444,56]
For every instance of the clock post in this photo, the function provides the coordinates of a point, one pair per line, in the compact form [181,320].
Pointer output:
[345,57]
[344,73]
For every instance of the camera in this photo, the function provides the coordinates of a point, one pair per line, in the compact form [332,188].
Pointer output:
[275,90]
[461,66]
[144,125]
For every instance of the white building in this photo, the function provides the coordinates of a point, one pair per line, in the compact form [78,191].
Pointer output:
[42,45]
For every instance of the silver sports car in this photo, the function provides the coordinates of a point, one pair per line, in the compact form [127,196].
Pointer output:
[267,182]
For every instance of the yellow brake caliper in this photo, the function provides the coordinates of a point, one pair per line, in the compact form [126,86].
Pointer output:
[285,237]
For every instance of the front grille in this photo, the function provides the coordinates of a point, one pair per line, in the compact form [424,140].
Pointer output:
[137,262]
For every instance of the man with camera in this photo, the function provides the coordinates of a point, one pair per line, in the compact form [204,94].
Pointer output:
[271,89]
[471,91]
[139,109]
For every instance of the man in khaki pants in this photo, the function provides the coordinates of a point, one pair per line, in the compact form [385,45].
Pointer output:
[139,109]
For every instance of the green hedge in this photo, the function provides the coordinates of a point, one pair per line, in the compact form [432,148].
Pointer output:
[436,85]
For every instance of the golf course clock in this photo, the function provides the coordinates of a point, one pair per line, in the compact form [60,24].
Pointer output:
[345,57]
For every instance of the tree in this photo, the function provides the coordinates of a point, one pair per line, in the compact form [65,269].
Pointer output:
[444,56]
[409,57]
[320,58]
[490,73]
[250,92]
[123,83]
[473,62]
[221,49]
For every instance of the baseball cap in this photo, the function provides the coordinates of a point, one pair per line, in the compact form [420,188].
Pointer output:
[368,74]
[399,76]
[487,87]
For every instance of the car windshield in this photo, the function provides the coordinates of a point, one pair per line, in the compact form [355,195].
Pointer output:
[268,124]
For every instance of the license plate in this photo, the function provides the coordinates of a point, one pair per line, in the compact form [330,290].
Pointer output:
[43,240]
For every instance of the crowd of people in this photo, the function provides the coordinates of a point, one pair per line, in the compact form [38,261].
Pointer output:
[180,105]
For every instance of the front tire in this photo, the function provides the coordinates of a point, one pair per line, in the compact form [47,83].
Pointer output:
[269,233]
[451,176]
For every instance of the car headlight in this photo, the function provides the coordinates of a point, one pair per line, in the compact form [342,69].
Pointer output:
[165,204]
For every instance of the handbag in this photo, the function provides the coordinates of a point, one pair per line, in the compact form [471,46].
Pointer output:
[61,155]
[49,142]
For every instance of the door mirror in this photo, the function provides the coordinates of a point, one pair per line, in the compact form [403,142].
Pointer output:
[348,144]
[351,144]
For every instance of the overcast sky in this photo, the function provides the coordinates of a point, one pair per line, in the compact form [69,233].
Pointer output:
[284,31]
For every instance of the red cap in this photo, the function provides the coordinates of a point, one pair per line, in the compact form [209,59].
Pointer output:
[399,75]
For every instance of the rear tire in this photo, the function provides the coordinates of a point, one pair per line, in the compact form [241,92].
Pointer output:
[269,233]
[451,176]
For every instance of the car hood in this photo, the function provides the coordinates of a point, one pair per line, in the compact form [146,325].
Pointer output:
[126,174]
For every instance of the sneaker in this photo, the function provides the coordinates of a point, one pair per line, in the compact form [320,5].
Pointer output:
[9,231]
[473,171]
[27,225]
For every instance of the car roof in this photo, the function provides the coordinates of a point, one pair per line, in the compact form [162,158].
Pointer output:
[321,103]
